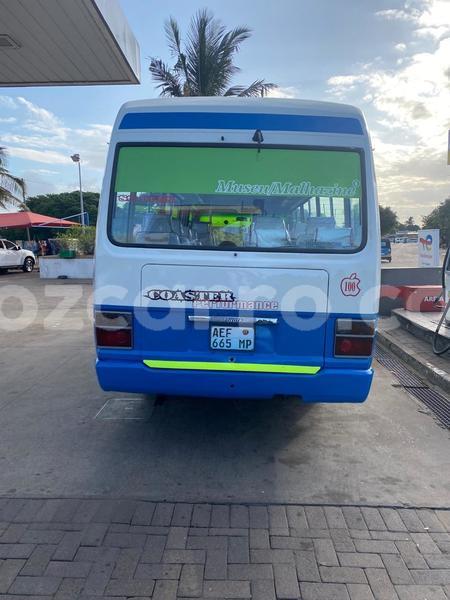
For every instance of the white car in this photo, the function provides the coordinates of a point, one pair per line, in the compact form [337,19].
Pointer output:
[13,256]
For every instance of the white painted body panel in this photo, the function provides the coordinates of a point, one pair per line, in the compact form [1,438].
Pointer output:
[121,272]
[245,288]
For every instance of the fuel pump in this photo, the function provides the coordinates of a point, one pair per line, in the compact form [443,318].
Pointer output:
[446,296]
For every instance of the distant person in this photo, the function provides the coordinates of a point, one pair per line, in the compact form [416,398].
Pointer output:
[44,247]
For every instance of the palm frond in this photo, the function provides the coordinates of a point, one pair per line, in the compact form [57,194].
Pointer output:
[169,81]
[3,199]
[210,53]
[21,183]
[203,35]
[234,38]
[225,69]
[5,196]
[173,37]
[257,88]
[3,158]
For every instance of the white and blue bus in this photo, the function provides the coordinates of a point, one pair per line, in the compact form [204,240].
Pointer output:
[238,250]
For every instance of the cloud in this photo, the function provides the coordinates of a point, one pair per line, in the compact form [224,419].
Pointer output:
[417,91]
[39,183]
[92,144]
[284,92]
[40,118]
[431,20]
[407,111]
[43,124]
[41,136]
[395,14]
[37,136]
[435,20]
[8,102]
[41,156]
[43,171]
[39,141]
[44,181]
[400,47]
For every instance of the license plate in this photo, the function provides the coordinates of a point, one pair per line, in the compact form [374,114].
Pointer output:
[232,338]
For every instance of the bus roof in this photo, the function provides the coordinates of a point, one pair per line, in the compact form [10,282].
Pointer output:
[268,113]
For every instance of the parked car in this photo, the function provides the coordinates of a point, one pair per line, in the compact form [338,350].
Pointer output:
[386,250]
[13,256]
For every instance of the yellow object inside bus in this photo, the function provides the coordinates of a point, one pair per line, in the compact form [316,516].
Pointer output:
[225,220]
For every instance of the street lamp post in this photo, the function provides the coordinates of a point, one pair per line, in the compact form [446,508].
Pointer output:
[76,159]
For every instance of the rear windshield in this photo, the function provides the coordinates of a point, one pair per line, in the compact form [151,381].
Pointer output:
[227,198]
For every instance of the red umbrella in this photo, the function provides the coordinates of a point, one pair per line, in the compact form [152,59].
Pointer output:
[27,219]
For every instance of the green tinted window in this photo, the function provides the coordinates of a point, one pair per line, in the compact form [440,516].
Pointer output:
[237,197]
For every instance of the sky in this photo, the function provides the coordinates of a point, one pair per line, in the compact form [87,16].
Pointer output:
[391,58]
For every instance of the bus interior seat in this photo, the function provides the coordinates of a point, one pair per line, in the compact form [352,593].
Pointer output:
[321,222]
[156,223]
[315,224]
[339,236]
[157,229]
[270,231]
[201,233]
[182,231]
[298,230]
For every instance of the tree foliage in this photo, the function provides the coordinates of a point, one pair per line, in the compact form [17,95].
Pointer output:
[409,225]
[204,62]
[65,204]
[439,218]
[388,220]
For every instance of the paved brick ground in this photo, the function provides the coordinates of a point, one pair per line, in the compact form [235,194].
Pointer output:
[70,549]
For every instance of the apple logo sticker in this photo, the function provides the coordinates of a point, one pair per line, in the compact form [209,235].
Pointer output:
[350,285]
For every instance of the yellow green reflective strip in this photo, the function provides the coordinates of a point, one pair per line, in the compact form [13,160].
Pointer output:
[231,366]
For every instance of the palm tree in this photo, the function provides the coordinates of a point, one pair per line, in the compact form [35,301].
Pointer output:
[5,196]
[204,67]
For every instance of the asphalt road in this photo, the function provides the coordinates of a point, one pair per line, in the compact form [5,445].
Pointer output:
[53,442]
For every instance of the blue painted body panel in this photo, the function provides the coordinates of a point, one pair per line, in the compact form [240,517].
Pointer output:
[267,122]
[339,380]
[329,385]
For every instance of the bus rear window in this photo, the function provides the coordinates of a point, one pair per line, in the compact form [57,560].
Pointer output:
[247,198]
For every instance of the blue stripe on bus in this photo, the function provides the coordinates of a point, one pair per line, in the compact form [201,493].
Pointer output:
[265,122]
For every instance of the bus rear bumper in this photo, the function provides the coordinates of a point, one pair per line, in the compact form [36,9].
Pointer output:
[328,385]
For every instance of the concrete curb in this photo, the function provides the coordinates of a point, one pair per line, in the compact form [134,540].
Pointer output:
[424,369]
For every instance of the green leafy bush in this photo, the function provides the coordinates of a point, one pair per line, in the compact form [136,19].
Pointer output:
[79,239]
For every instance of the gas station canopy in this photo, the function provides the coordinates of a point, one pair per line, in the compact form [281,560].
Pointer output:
[66,42]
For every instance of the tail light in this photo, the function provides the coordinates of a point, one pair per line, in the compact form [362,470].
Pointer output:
[113,329]
[354,337]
